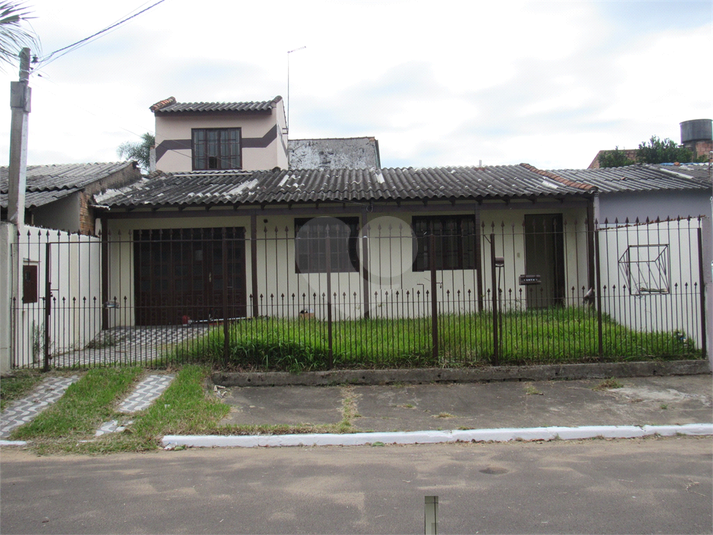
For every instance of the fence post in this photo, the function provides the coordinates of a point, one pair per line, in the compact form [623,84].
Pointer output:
[330,363]
[365,264]
[494,281]
[226,335]
[105,272]
[253,263]
[702,285]
[48,307]
[597,267]
[434,302]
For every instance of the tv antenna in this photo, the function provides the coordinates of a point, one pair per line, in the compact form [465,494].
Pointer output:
[288,84]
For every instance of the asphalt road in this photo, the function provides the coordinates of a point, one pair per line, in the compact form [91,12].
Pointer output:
[650,485]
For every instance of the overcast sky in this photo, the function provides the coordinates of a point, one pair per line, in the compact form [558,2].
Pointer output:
[438,83]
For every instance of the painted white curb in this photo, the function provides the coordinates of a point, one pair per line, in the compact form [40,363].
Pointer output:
[13,443]
[436,437]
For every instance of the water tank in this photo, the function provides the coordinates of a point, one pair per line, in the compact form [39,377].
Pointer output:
[696,130]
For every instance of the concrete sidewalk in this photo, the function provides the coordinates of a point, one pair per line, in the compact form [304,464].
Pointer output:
[635,401]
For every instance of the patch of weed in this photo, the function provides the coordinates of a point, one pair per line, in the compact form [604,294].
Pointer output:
[530,390]
[17,386]
[607,384]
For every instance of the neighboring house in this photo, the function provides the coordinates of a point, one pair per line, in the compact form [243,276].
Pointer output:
[334,153]
[213,135]
[643,191]
[666,205]
[58,257]
[696,136]
[57,196]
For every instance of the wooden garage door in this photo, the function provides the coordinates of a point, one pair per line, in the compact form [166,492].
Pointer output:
[189,273]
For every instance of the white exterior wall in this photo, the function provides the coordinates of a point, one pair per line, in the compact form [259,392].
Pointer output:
[75,276]
[7,237]
[510,244]
[282,291]
[62,214]
[677,309]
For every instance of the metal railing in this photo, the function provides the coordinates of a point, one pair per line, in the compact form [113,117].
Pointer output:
[294,298]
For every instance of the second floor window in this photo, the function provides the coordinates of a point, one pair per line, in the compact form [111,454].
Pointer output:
[216,148]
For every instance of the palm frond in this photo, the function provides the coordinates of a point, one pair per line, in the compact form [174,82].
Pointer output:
[13,36]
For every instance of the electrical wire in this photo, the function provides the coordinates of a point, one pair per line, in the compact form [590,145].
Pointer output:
[46,60]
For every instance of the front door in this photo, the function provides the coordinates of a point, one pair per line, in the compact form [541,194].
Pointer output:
[189,274]
[544,256]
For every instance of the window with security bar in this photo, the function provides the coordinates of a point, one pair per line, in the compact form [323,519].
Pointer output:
[454,242]
[311,244]
[646,269]
[216,148]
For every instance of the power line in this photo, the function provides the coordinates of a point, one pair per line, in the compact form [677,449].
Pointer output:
[46,60]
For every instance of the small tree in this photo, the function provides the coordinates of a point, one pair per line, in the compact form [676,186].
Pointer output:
[614,158]
[139,151]
[662,151]
[13,37]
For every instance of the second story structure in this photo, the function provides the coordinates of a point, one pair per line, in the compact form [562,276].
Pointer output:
[208,135]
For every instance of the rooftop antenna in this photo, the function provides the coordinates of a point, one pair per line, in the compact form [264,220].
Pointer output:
[288,84]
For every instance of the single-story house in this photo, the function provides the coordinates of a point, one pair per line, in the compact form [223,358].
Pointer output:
[378,220]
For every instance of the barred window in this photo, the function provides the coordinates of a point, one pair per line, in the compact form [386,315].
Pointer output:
[216,148]
[454,242]
[311,244]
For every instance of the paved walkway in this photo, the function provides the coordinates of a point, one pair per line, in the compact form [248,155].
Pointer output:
[668,400]
[51,389]
[145,393]
[26,409]
[130,345]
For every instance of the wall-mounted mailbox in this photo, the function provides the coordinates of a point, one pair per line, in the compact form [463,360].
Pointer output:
[29,284]
[529,280]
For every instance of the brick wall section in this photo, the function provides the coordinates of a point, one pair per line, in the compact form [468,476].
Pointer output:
[700,148]
[117,180]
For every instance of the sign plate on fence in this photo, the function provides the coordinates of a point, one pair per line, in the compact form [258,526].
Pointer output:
[527,280]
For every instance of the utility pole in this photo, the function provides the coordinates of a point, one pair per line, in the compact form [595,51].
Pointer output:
[10,254]
[20,97]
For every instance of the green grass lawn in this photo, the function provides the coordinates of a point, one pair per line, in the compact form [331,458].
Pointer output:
[557,335]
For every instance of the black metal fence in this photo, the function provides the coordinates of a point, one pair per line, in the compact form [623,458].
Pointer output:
[325,293]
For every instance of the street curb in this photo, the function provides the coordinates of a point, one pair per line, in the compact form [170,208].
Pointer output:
[465,375]
[13,443]
[436,437]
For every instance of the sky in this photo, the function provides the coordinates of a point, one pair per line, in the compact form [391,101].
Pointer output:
[445,83]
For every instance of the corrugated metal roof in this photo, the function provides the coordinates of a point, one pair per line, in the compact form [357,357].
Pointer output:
[48,183]
[205,107]
[34,199]
[640,177]
[204,188]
